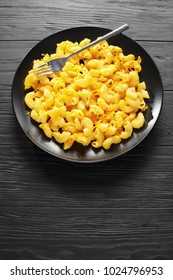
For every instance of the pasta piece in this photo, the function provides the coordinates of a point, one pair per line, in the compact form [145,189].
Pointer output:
[138,122]
[127,131]
[97,98]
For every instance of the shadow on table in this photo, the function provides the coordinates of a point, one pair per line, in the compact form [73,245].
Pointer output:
[118,172]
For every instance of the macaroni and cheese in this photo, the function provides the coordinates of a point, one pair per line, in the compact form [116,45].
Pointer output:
[97,98]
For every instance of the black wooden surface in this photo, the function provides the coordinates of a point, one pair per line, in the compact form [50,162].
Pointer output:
[118,209]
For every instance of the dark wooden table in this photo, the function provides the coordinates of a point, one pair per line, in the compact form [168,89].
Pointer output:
[118,209]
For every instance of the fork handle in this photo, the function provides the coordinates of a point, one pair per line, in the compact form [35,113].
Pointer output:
[105,37]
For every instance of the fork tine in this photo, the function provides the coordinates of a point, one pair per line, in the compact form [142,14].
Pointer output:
[43,69]
[44,73]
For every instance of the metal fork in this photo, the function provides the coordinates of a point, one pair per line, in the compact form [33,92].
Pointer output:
[57,64]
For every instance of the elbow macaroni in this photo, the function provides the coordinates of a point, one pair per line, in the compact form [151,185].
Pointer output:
[97,98]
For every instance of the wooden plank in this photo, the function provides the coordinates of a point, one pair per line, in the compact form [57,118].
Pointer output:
[36,20]
[140,179]
[13,52]
[52,233]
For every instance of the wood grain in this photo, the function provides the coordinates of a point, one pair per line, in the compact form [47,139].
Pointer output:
[47,233]
[42,18]
[118,209]
[140,179]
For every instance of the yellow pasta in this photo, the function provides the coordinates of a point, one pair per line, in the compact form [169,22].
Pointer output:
[97,98]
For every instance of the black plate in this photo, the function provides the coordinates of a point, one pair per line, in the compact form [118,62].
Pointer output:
[79,153]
